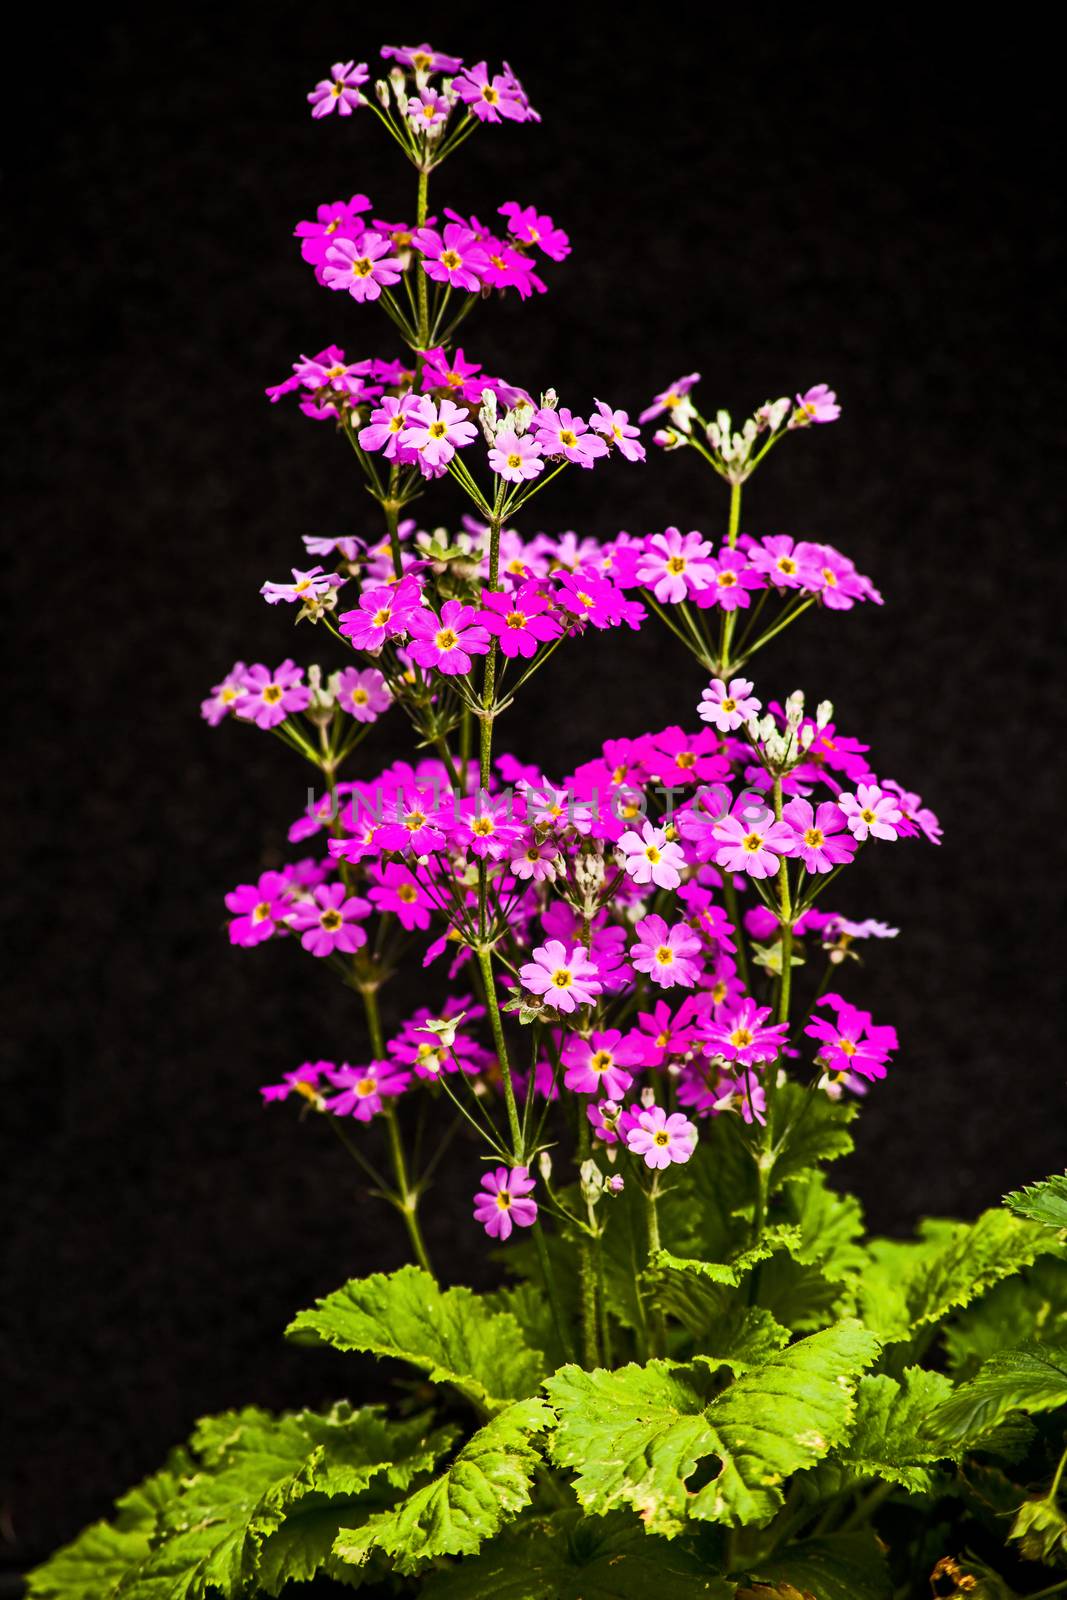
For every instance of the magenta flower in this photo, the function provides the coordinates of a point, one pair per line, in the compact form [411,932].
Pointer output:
[785,565]
[330,920]
[598,1065]
[666,954]
[421,58]
[755,848]
[525,224]
[490,99]
[304,1082]
[447,642]
[339,219]
[365,695]
[537,863]
[833,577]
[340,91]
[676,565]
[822,841]
[870,812]
[819,404]
[269,697]
[503,1205]
[559,433]
[851,1042]
[742,1035]
[731,581]
[486,827]
[454,256]
[522,621]
[260,909]
[436,432]
[651,857]
[661,1139]
[364,1088]
[363,266]
[225,695]
[382,614]
[441,371]
[311,585]
[387,421]
[728,707]
[669,398]
[397,891]
[507,268]
[616,427]
[515,457]
[429,110]
[563,980]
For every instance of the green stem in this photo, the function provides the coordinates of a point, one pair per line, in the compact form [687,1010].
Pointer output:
[421,281]
[866,1507]
[729,894]
[541,1246]
[658,1341]
[485,962]
[729,621]
[407,1196]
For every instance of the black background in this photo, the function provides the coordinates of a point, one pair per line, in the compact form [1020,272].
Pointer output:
[775,205]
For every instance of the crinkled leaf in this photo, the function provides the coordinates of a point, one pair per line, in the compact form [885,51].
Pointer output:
[886,1440]
[800,1296]
[844,1566]
[486,1485]
[1030,1378]
[255,1470]
[698,1292]
[1029,1308]
[912,1285]
[447,1333]
[1040,1529]
[830,1226]
[91,1566]
[1042,1202]
[532,1310]
[637,1434]
[570,1557]
[817,1131]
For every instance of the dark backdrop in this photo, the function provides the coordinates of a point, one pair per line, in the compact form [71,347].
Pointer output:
[774,204]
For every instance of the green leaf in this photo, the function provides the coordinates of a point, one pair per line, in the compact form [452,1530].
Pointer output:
[1040,1529]
[1042,1202]
[909,1286]
[254,1471]
[486,1485]
[92,1566]
[886,1440]
[830,1226]
[814,1128]
[637,1434]
[1030,1378]
[845,1566]
[1029,1308]
[569,1557]
[448,1334]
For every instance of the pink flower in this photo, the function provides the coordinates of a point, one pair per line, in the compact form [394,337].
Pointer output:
[730,582]
[598,1065]
[821,840]
[489,99]
[525,224]
[429,109]
[331,920]
[538,863]
[311,585]
[915,817]
[225,695]
[486,827]
[522,621]
[559,433]
[728,708]
[454,256]
[387,421]
[341,218]
[382,614]
[616,427]
[818,404]
[784,565]
[440,371]
[666,954]
[260,909]
[447,642]
[851,1042]
[833,577]
[503,1205]
[755,848]
[421,58]
[651,857]
[742,1035]
[365,695]
[303,1082]
[270,696]
[670,398]
[870,812]
[340,91]
[509,269]
[661,1139]
[397,891]
[363,266]
[515,457]
[676,565]
[564,981]
[436,432]
[364,1088]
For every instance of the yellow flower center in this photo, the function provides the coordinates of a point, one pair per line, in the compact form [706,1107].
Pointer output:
[483,827]
[381,617]
[561,978]
[676,564]
[366,1086]
[451,259]
[727,579]
[830,576]
[363,267]
[846,1047]
[408,893]
[662,1138]
[652,854]
[741,1038]
[261,912]
[787,565]
[601,1061]
[516,619]
[514,459]
[438,430]
[568,438]
[753,842]
[727,705]
[868,815]
[272,693]
[664,955]
[503,1200]
[331,920]
[360,697]
[814,837]
[686,760]
[446,639]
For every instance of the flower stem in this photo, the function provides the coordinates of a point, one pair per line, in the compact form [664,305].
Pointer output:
[407,1200]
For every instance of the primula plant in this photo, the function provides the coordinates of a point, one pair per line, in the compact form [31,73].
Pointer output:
[646,1034]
